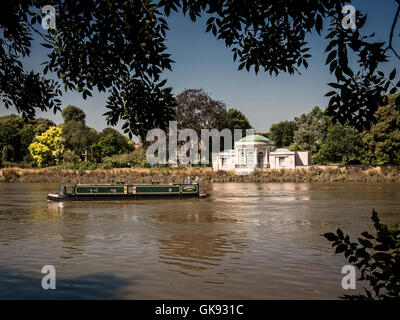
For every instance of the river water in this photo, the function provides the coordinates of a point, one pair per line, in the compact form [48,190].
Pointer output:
[247,241]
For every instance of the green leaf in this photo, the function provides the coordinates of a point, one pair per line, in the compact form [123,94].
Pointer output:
[330,236]
[365,243]
[382,247]
[381,256]
[331,56]
[347,253]
[340,248]
[162,83]
[361,253]
[335,85]
[392,74]
[47,45]
[353,259]
[367,235]
[330,93]
[374,216]
[369,295]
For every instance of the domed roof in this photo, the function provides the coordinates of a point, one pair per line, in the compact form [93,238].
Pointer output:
[254,137]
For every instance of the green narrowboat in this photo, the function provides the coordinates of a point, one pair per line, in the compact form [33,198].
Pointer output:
[81,192]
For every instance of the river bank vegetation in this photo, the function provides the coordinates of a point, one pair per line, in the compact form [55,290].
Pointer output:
[179,175]
[40,143]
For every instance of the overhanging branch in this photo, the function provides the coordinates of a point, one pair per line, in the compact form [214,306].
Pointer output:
[396,17]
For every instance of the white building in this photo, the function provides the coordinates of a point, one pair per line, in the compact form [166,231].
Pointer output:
[257,152]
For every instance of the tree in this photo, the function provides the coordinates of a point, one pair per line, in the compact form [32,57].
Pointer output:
[27,134]
[377,257]
[70,157]
[106,146]
[16,135]
[5,153]
[10,143]
[48,147]
[382,141]
[342,145]
[111,142]
[119,46]
[41,125]
[78,136]
[122,143]
[73,113]
[196,110]
[237,120]
[311,130]
[282,133]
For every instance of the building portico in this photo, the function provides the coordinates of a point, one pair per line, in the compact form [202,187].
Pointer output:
[257,152]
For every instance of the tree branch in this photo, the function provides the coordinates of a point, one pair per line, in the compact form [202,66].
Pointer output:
[390,46]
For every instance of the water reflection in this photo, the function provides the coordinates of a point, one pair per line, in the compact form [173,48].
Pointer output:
[56,208]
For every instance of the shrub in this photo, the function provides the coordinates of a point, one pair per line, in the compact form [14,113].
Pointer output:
[136,158]
[85,165]
[376,256]
[69,156]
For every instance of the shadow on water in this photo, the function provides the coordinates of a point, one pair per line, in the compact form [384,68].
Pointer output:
[93,286]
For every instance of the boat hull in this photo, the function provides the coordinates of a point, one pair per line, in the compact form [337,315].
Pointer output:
[118,197]
[81,192]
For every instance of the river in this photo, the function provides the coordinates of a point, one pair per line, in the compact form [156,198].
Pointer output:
[247,241]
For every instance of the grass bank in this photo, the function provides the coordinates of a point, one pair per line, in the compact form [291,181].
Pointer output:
[165,175]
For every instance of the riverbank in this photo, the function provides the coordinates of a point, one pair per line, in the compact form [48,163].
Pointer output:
[165,175]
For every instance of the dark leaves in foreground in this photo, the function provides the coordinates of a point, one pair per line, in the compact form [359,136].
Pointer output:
[101,45]
[377,257]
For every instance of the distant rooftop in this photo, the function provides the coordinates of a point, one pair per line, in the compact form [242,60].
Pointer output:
[254,137]
[282,150]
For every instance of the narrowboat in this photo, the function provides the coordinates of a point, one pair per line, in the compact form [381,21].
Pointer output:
[81,192]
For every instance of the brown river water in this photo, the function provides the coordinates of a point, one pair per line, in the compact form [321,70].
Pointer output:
[247,241]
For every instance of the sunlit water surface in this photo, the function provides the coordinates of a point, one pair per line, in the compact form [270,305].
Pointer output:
[247,241]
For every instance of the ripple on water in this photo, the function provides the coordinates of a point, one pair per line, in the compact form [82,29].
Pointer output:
[248,241]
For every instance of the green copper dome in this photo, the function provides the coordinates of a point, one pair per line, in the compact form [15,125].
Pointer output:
[254,137]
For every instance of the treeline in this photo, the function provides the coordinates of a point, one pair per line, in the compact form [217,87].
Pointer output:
[70,145]
[74,145]
[342,144]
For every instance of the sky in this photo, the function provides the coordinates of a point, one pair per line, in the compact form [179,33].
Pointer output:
[202,61]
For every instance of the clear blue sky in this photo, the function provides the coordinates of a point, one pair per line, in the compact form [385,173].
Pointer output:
[202,61]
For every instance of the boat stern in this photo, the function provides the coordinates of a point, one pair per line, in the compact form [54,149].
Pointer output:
[55,197]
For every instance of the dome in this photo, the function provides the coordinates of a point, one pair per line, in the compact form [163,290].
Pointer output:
[254,138]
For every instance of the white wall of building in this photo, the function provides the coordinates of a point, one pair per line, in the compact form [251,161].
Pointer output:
[282,160]
[223,161]
[249,155]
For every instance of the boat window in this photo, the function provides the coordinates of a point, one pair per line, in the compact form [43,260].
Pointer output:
[61,190]
[132,190]
[94,190]
[69,190]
